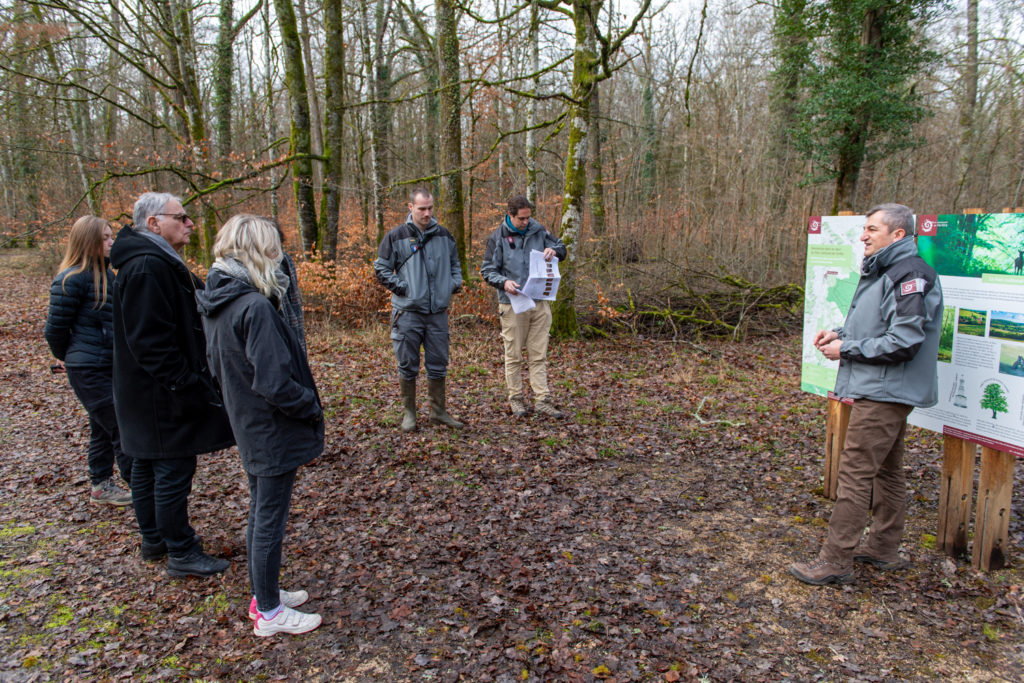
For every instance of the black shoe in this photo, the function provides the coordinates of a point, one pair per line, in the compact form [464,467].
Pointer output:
[151,552]
[196,563]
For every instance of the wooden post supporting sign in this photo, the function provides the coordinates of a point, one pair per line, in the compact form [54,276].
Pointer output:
[837,420]
[992,517]
[955,493]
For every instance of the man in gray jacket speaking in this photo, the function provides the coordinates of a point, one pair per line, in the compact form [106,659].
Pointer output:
[419,263]
[887,350]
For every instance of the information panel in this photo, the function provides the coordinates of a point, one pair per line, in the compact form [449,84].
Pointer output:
[979,258]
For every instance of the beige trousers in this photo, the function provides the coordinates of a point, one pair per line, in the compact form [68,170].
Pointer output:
[527,330]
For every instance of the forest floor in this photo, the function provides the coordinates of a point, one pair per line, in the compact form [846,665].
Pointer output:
[645,538]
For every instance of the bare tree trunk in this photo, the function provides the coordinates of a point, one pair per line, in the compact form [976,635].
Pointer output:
[597,209]
[451,199]
[378,72]
[271,118]
[302,168]
[315,118]
[531,133]
[968,142]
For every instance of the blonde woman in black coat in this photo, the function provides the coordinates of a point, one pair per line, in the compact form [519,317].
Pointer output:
[79,330]
[270,398]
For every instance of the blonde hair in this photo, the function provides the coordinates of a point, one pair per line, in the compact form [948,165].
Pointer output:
[85,252]
[253,241]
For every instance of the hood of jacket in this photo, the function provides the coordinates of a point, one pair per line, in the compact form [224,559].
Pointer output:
[434,225]
[221,290]
[130,243]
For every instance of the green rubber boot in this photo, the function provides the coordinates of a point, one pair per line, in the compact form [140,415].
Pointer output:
[408,390]
[438,414]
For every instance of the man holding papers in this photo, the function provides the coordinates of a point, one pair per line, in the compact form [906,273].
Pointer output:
[525,317]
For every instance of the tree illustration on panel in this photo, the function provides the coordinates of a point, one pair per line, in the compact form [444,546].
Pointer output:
[994,399]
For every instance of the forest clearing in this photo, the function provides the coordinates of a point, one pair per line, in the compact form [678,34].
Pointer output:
[646,537]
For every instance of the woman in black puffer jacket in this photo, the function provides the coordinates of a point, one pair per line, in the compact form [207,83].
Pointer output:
[79,330]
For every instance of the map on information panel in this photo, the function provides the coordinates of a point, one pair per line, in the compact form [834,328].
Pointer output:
[833,269]
[980,364]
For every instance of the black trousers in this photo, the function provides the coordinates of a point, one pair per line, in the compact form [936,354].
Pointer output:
[160,491]
[94,389]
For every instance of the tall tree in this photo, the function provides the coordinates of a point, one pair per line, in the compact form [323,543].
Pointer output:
[860,101]
[302,165]
[334,130]
[452,209]
[588,68]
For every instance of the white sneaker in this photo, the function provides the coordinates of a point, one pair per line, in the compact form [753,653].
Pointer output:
[288,599]
[286,621]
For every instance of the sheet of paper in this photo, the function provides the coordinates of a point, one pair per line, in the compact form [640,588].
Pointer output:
[521,303]
[544,278]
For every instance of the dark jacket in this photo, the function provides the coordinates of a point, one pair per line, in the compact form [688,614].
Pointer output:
[420,268]
[891,334]
[507,254]
[267,386]
[79,332]
[167,405]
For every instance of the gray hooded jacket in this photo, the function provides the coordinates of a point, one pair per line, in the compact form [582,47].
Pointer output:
[420,268]
[507,254]
[891,334]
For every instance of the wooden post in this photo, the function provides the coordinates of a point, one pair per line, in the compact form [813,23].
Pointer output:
[837,419]
[955,492]
[836,422]
[992,517]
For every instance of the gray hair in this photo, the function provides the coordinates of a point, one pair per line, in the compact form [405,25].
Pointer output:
[897,217]
[150,204]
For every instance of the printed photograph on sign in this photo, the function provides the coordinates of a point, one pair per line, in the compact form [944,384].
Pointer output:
[1007,325]
[972,245]
[971,322]
[946,336]
[1011,360]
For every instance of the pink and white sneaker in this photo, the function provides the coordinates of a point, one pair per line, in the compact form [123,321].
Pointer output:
[286,621]
[288,599]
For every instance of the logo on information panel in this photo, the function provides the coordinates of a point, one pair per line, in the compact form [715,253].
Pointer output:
[928,225]
[814,225]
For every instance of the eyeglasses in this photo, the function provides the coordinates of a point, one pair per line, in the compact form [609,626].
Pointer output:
[180,217]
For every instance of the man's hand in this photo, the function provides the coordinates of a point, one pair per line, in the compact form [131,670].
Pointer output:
[824,337]
[549,253]
[831,350]
[512,287]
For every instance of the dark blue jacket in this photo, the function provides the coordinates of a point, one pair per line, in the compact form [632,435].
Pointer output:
[80,332]
[267,386]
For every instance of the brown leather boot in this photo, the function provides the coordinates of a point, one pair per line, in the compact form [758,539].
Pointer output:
[438,414]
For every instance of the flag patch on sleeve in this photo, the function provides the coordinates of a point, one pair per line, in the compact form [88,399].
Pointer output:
[915,286]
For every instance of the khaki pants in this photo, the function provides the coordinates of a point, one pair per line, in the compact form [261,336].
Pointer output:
[527,330]
[870,475]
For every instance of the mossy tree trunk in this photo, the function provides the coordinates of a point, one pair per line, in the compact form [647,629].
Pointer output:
[451,199]
[334,137]
[302,167]
[583,77]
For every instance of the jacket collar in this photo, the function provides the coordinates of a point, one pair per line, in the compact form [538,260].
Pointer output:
[882,259]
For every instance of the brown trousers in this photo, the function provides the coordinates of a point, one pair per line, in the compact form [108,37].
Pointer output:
[527,330]
[870,476]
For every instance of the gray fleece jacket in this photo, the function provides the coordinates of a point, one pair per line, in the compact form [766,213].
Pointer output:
[890,339]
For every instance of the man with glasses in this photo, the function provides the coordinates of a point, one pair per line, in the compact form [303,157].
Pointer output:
[506,267]
[887,350]
[168,408]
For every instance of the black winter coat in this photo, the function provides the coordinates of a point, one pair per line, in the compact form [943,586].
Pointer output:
[266,382]
[78,332]
[166,402]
